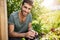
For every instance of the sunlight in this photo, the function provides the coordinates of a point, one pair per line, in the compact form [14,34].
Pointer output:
[51,4]
[47,3]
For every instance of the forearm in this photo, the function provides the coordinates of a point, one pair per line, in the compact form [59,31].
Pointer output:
[30,28]
[15,34]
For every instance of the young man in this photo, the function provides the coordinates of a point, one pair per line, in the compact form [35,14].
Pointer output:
[20,22]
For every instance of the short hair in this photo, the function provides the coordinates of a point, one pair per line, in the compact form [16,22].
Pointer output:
[30,2]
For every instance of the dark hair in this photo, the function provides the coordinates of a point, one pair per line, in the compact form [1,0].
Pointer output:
[30,2]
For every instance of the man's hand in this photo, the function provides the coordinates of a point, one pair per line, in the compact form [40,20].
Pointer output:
[30,34]
[36,33]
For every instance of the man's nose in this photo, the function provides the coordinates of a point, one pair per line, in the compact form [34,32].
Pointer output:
[27,10]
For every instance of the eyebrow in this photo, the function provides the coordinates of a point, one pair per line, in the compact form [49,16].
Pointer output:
[27,7]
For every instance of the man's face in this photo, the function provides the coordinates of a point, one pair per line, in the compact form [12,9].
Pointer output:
[26,9]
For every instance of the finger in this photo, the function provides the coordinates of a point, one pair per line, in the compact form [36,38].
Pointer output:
[33,31]
[30,37]
[36,33]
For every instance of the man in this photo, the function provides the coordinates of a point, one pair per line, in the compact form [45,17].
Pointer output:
[20,22]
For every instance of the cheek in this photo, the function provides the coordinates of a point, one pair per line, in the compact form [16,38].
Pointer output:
[29,11]
[23,9]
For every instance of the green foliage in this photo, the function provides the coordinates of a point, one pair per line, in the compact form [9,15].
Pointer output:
[36,11]
[44,20]
[13,5]
[36,26]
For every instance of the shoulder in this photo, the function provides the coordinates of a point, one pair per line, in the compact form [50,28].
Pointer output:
[29,14]
[14,13]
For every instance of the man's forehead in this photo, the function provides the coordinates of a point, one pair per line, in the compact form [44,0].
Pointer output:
[26,4]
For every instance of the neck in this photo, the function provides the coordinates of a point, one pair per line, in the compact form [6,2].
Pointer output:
[21,17]
[22,14]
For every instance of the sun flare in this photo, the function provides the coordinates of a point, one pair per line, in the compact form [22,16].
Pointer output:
[51,4]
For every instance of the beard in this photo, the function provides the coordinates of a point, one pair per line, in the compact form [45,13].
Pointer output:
[24,13]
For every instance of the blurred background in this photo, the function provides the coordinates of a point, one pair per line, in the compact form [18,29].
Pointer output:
[45,15]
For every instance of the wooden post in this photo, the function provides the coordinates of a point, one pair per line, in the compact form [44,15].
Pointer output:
[3,20]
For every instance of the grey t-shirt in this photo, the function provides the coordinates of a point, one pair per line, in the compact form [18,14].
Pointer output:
[18,26]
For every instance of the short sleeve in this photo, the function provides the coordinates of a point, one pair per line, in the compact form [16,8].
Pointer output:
[11,19]
[30,18]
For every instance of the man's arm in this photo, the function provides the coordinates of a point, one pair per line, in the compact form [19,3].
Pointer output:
[30,26]
[15,34]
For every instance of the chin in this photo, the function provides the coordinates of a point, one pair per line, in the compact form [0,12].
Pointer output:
[25,14]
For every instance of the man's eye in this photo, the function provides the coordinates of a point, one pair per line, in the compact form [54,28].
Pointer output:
[29,8]
[25,7]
